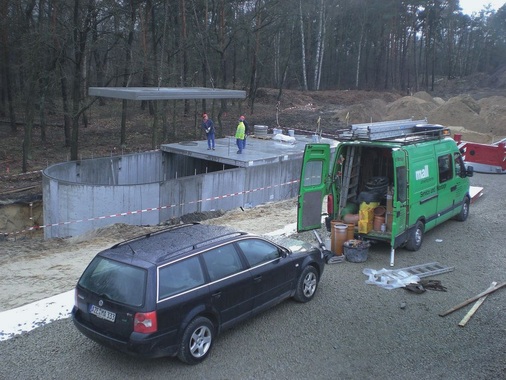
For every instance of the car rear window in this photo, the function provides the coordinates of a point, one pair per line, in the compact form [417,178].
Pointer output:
[115,281]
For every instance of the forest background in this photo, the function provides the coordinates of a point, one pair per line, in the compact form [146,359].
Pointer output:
[52,51]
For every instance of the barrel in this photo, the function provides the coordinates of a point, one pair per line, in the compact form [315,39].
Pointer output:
[338,236]
[350,231]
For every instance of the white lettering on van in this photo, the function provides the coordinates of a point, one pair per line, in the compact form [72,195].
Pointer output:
[422,173]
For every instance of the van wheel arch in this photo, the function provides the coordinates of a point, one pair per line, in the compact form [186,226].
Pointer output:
[415,236]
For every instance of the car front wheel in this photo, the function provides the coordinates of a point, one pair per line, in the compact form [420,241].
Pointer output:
[197,341]
[306,284]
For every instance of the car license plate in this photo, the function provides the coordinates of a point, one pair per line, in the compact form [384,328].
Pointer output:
[102,313]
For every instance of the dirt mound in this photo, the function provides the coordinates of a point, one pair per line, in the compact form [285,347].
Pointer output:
[493,110]
[368,111]
[410,106]
[498,78]
[461,111]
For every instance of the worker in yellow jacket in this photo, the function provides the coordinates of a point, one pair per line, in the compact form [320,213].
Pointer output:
[240,135]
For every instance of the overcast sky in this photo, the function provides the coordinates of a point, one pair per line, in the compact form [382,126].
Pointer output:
[470,6]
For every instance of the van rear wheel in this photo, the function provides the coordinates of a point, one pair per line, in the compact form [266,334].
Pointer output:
[415,237]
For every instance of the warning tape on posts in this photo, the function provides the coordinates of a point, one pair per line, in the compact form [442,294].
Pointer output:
[127,213]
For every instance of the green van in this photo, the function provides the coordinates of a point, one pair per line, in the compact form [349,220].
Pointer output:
[398,179]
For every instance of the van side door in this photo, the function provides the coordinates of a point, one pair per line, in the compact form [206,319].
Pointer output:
[313,186]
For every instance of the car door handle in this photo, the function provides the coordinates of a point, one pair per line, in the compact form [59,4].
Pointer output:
[453,188]
[257,278]
[216,295]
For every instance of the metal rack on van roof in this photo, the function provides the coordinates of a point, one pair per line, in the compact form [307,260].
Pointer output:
[407,130]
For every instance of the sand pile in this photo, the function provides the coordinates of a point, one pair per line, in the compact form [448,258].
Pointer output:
[478,121]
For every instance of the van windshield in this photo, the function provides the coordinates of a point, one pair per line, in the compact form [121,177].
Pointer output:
[115,281]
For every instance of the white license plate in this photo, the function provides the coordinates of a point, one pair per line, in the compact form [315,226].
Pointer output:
[102,313]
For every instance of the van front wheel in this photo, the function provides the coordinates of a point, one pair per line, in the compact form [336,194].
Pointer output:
[464,211]
[415,237]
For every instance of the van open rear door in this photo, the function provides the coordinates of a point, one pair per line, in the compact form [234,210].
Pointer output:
[400,201]
[313,186]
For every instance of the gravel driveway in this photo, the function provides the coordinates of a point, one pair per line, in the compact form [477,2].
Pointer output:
[351,330]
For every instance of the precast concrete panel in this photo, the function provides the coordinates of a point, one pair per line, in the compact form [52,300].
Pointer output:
[224,190]
[141,168]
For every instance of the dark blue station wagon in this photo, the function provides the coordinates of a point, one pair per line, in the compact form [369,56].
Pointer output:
[171,292]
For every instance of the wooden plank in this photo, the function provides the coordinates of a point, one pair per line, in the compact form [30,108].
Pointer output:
[18,190]
[475,307]
[472,299]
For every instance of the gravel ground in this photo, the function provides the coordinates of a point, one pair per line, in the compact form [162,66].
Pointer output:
[351,330]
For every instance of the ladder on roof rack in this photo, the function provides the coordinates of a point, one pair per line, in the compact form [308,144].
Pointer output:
[385,129]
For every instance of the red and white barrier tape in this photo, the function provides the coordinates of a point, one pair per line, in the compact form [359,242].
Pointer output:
[34,228]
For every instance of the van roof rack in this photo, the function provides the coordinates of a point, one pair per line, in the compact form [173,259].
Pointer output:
[407,130]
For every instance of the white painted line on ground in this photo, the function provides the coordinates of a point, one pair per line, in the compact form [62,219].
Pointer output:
[26,318]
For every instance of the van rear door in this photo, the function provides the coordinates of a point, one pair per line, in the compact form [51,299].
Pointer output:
[313,186]
[400,197]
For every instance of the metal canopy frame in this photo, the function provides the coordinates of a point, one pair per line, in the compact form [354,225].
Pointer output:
[164,93]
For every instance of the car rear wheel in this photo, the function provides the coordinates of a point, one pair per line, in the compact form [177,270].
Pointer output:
[415,237]
[197,341]
[306,284]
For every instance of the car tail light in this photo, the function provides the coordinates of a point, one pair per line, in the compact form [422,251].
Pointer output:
[145,322]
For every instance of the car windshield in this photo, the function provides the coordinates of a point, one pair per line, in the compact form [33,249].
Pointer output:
[115,281]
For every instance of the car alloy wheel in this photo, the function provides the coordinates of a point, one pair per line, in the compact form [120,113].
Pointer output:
[197,341]
[307,284]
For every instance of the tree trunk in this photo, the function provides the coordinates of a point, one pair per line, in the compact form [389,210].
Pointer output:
[320,41]
[126,72]
[303,48]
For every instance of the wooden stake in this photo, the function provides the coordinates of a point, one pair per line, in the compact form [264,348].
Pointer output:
[467,302]
[475,307]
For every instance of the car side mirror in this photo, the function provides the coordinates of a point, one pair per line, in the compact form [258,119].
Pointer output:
[469,171]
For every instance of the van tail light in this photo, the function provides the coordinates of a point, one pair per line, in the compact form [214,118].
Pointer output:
[330,205]
[145,323]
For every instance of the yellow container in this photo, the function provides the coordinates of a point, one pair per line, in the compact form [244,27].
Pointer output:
[364,226]
[366,211]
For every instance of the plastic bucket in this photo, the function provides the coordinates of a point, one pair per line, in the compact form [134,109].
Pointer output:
[356,251]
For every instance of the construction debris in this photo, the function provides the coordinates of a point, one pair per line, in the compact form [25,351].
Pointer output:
[472,299]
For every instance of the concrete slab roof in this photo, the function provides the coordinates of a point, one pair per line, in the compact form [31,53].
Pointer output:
[259,151]
[163,93]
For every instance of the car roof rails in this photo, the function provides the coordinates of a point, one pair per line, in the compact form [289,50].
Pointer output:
[153,233]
